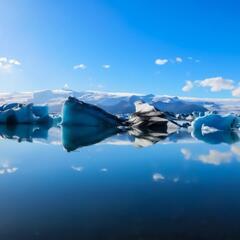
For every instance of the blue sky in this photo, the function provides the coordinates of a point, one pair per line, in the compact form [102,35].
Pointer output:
[142,46]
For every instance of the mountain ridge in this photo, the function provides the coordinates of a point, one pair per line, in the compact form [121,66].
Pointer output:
[121,102]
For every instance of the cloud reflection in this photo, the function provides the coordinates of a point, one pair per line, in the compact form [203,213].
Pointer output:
[158,177]
[186,153]
[7,169]
[77,168]
[215,157]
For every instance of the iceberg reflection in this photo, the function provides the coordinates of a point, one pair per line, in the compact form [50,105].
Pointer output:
[217,137]
[24,132]
[74,137]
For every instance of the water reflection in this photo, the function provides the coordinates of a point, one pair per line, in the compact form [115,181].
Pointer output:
[24,132]
[113,190]
[217,137]
[75,137]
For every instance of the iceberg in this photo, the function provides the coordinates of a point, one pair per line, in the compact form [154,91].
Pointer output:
[148,117]
[76,112]
[18,113]
[217,122]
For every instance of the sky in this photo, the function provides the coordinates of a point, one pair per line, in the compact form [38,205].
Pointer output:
[184,48]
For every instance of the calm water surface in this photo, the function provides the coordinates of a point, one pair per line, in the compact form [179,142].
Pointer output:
[178,188]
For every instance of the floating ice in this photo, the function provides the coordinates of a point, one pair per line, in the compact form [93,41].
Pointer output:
[216,121]
[76,112]
[148,117]
[215,128]
[14,113]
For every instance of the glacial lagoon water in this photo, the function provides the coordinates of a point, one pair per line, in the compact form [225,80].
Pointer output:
[53,186]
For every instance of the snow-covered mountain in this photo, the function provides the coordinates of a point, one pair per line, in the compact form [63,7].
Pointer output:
[118,103]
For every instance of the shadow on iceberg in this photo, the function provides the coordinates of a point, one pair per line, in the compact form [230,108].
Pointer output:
[216,137]
[74,137]
[24,132]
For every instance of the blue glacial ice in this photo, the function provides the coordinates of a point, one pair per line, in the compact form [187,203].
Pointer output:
[216,122]
[17,113]
[76,112]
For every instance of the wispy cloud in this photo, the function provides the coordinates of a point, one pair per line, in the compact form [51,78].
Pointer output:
[8,64]
[193,60]
[106,66]
[236,92]
[80,66]
[188,86]
[160,61]
[179,60]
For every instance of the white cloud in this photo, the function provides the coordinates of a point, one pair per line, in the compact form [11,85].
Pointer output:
[158,177]
[14,62]
[80,66]
[7,64]
[160,61]
[216,84]
[188,86]
[106,66]
[186,153]
[179,60]
[215,157]
[194,60]
[236,92]
[3,60]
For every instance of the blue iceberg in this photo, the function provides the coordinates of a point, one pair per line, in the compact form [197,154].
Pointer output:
[18,113]
[76,112]
[217,122]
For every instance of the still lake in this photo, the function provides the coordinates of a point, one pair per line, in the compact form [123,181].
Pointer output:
[121,187]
